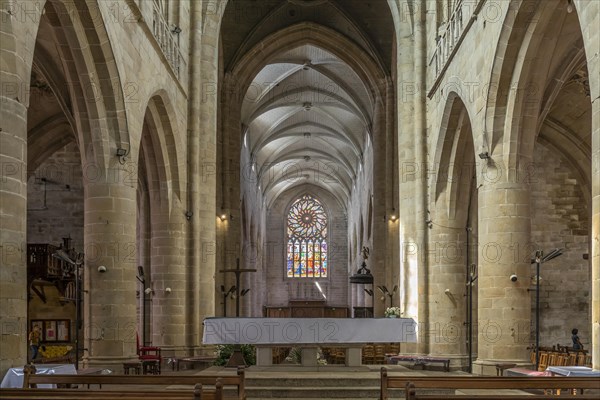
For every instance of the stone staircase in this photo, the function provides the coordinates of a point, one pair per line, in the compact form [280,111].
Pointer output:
[324,384]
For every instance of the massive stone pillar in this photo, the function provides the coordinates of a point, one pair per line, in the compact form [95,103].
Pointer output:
[169,281]
[13,224]
[110,241]
[504,306]
[202,128]
[447,257]
[589,15]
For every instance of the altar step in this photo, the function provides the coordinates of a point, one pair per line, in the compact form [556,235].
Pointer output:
[312,387]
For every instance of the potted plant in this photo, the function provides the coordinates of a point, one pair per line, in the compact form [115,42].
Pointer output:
[393,312]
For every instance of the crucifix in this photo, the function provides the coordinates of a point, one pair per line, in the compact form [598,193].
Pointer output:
[237,358]
[238,271]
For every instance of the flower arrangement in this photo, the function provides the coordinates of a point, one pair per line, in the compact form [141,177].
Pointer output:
[393,312]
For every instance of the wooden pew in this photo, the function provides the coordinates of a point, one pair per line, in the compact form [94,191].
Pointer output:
[31,380]
[491,397]
[198,393]
[480,382]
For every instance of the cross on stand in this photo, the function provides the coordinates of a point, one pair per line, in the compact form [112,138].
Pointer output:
[237,357]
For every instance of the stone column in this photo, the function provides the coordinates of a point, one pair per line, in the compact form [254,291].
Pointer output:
[169,280]
[110,241]
[13,241]
[589,15]
[504,307]
[447,274]
[202,128]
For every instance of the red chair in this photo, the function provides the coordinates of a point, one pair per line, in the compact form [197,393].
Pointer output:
[149,353]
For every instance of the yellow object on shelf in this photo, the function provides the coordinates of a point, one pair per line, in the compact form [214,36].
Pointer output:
[54,351]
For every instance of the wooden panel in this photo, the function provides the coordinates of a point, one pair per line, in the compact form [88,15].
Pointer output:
[336,312]
[306,309]
[307,312]
[277,312]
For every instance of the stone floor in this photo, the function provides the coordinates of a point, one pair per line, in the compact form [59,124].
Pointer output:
[325,382]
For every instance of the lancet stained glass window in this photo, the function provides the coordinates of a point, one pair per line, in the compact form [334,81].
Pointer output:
[307,239]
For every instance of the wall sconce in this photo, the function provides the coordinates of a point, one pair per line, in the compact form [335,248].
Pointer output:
[122,155]
[393,216]
[168,290]
[484,155]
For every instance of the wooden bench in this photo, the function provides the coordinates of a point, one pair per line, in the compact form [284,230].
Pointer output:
[198,393]
[411,383]
[31,380]
[422,360]
[490,397]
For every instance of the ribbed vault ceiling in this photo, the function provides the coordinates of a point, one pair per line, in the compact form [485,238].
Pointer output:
[307,115]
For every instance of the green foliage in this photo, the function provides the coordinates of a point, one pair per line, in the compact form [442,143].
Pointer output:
[224,352]
[295,355]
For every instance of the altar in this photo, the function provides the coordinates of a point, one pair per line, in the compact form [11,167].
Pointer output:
[308,333]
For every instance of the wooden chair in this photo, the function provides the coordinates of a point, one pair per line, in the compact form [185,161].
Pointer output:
[572,359]
[340,356]
[392,348]
[562,360]
[552,359]
[149,353]
[368,354]
[543,361]
[379,354]
[581,359]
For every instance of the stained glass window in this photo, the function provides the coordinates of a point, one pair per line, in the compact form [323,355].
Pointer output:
[307,239]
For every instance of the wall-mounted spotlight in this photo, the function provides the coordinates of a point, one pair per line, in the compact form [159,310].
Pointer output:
[189,215]
[223,216]
[243,292]
[393,216]
[176,29]
[569,6]
[168,290]
[484,155]
[149,291]
[429,223]
[369,292]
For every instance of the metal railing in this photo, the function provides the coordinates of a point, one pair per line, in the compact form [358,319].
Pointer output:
[448,41]
[168,40]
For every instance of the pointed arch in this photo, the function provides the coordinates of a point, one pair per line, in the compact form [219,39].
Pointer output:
[454,156]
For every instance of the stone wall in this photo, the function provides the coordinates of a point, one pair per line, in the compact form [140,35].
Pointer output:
[560,219]
[55,208]
[279,288]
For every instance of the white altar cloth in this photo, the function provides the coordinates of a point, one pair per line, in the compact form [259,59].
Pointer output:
[14,376]
[287,331]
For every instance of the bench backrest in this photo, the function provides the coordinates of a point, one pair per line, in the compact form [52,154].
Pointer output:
[490,397]
[198,393]
[483,382]
[31,380]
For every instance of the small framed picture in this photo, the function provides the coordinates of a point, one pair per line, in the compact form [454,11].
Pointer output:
[63,330]
[50,330]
